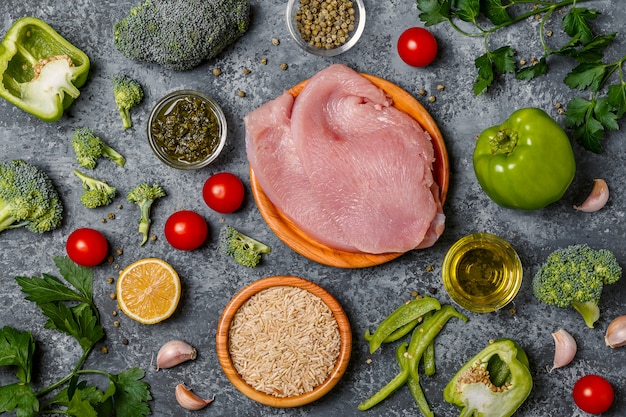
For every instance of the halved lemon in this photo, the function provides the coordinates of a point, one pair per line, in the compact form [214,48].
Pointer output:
[148,290]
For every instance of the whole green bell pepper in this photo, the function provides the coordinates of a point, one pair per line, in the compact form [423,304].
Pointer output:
[494,383]
[41,71]
[526,163]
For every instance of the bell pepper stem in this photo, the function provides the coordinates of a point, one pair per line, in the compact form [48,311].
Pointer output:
[503,142]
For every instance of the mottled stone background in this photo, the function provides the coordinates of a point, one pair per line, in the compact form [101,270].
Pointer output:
[367,295]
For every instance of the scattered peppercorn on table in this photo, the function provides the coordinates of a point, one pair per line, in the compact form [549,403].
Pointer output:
[253,69]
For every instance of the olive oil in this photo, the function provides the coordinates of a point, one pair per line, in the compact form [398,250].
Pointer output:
[482,272]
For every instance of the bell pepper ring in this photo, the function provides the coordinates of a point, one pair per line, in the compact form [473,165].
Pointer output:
[41,71]
[525,163]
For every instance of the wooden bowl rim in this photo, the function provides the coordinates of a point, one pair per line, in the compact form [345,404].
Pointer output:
[300,242]
[222,341]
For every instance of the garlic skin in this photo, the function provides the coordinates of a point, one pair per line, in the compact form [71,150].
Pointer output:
[564,349]
[616,332]
[190,400]
[597,198]
[175,352]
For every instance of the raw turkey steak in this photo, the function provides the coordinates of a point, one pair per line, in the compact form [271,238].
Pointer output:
[346,167]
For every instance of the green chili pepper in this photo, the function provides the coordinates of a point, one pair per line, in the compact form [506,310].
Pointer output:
[428,359]
[426,333]
[403,315]
[392,386]
[41,71]
[409,358]
[527,162]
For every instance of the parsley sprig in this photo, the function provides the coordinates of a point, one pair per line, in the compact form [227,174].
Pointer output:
[589,117]
[70,309]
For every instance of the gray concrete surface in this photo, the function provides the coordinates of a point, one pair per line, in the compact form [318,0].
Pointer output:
[367,295]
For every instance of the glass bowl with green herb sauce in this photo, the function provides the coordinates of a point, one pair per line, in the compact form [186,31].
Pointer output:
[325,27]
[187,129]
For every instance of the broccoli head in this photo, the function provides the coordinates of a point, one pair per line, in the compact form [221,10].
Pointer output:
[181,34]
[89,148]
[574,276]
[241,248]
[97,192]
[144,195]
[128,93]
[28,198]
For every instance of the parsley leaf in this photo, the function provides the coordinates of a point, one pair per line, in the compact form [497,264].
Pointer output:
[131,394]
[80,277]
[468,10]
[532,71]
[495,11]
[18,397]
[434,11]
[587,75]
[490,65]
[617,98]
[17,349]
[589,119]
[78,321]
[575,23]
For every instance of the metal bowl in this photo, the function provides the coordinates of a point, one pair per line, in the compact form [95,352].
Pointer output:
[212,141]
[293,6]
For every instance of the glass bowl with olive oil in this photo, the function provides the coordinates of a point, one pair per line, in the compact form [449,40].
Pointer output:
[187,129]
[482,272]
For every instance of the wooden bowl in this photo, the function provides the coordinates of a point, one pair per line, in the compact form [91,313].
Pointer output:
[301,243]
[223,352]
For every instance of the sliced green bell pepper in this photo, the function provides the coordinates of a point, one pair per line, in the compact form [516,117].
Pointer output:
[526,163]
[494,383]
[41,71]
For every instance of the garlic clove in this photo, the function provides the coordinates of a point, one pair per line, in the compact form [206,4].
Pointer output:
[189,399]
[597,198]
[175,352]
[564,348]
[616,332]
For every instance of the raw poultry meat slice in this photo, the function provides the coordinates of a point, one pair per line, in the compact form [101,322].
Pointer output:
[279,172]
[348,168]
[368,163]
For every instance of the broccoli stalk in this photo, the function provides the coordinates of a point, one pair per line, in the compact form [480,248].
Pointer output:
[144,195]
[89,148]
[97,192]
[574,276]
[128,93]
[243,249]
[28,198]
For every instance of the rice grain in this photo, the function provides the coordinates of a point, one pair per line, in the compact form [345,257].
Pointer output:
[284,341]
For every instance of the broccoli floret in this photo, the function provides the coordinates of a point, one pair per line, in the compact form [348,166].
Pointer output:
[241,248]
[89,148]
[97,192]
[144,195]
[574,276]
[28,198]
[180,34]
[128,93]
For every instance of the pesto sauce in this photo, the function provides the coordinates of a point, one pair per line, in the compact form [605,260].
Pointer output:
[186,130]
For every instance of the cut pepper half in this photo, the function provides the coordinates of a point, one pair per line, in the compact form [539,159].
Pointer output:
[41,71]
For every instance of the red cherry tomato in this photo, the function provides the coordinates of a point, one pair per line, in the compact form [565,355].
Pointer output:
[223,192]
[87,247]
[593,394]
[417,47]
[186,230]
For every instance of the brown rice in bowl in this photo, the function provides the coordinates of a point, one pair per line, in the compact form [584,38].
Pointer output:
[284,341]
